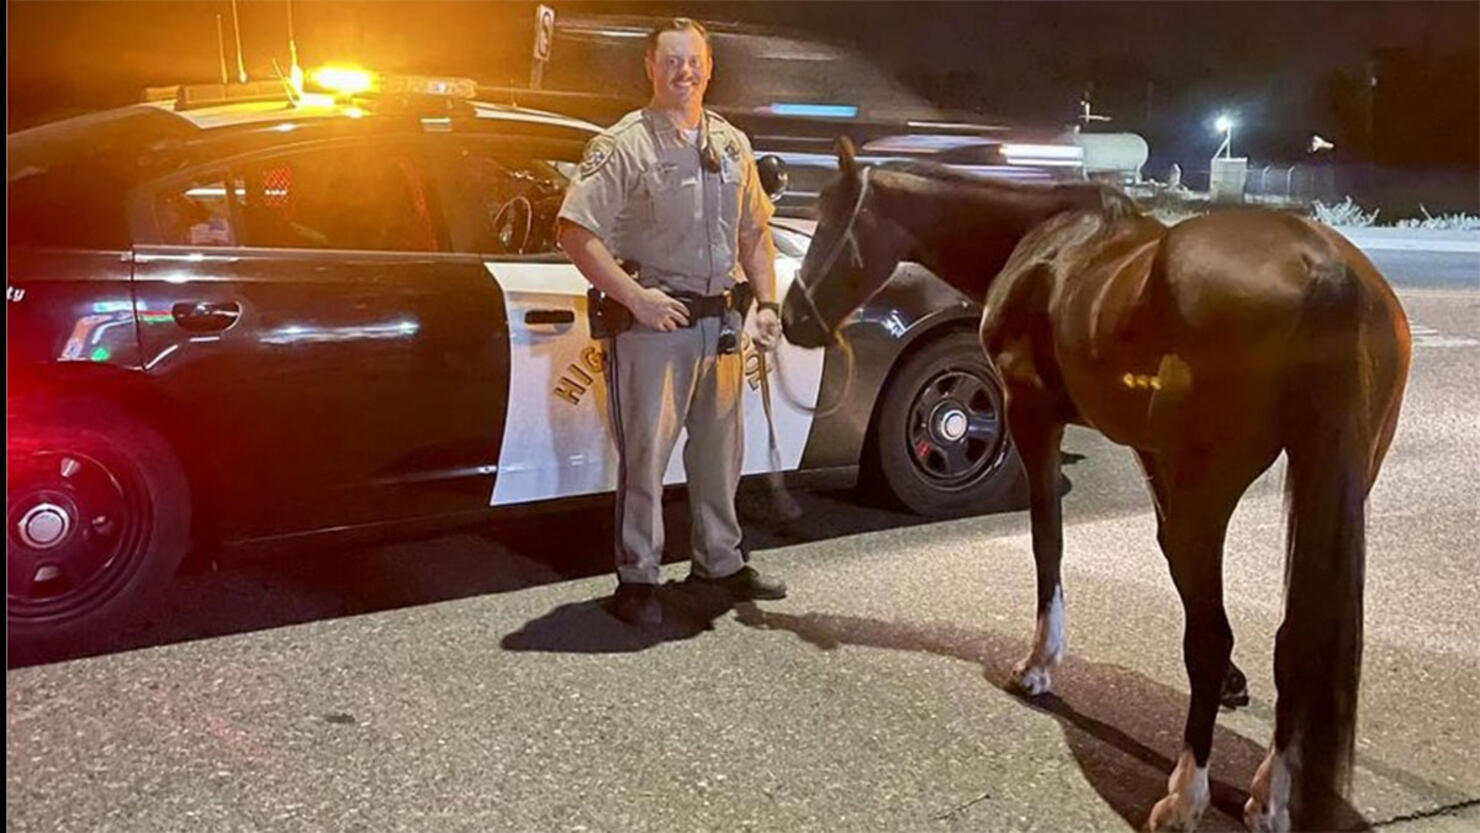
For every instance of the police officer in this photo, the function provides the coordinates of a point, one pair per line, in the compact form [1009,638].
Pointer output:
[674,188]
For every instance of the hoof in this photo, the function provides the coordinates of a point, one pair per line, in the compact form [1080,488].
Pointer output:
[1259,819]
[1174,812]
[1235,689]
[1032,680]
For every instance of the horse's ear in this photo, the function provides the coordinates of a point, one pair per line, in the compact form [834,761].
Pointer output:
[847,165]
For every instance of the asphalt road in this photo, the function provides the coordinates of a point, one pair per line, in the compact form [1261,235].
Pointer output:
[472,682]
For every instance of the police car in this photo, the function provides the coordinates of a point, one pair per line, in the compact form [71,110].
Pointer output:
[254,313]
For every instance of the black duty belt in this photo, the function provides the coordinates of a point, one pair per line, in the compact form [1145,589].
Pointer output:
[703,306]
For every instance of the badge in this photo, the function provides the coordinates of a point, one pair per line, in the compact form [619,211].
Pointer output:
[598,151]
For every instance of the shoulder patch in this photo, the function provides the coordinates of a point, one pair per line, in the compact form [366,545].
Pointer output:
[598,151]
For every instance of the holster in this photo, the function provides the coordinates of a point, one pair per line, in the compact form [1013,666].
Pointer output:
[605,315]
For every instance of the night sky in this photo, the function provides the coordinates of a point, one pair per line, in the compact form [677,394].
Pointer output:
[1162,68]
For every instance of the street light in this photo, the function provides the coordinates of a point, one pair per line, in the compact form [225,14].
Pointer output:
[1224,124]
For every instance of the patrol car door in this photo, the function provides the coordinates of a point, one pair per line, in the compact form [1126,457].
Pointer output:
[341,365]
[502,197]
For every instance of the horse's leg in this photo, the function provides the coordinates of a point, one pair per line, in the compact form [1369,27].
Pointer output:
[1037,436]
[1235,691]
[1199,494]
[1268,807]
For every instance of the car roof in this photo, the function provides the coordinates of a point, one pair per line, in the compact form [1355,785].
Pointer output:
[123,137]
[165,120]
[256,113]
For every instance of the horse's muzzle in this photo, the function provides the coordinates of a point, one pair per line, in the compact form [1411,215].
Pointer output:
[799,324]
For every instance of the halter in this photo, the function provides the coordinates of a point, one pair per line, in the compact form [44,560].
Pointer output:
[857,255]
[847,237]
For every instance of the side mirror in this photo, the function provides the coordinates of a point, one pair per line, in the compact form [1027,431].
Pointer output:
[774,177]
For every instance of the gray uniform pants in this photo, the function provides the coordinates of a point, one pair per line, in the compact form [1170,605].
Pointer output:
[660,383]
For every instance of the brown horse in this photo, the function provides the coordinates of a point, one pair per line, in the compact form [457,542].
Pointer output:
[1208,348]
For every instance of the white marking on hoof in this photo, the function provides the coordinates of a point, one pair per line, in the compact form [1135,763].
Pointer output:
[1187,797]
[1034,674]
[1268,807]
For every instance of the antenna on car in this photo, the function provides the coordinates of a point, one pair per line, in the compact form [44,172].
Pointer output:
[221,51]
[295,70]
[293,96]
[236,25]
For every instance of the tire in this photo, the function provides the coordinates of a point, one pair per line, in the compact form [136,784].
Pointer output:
[939,445]
[97,520]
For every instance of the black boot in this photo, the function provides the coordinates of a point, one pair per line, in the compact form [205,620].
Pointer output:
[637,605]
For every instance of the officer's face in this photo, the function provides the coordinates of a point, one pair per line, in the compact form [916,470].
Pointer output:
[679,68]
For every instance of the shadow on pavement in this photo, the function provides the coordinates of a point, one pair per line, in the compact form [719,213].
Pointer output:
[1123,728]
[587,627]
[219,595]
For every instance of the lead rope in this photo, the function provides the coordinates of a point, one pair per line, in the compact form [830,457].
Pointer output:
[848,238]
[782,502]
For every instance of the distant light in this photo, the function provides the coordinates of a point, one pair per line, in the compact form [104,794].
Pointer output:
[819,111]
[100,355]
[1042,153]
[1224,124]
[1317,144]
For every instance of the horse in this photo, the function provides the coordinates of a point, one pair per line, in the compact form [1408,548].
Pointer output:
[1208,348]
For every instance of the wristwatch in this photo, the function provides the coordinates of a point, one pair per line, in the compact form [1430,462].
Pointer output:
[770,305]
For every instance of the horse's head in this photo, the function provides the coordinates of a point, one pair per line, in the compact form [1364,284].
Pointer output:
[855,249]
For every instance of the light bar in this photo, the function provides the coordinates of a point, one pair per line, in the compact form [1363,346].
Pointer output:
[430,85]
[343,80]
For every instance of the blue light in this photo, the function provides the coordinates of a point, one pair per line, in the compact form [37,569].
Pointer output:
[821,111]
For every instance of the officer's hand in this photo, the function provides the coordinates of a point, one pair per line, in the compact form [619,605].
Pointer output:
[767,329]
[654,308]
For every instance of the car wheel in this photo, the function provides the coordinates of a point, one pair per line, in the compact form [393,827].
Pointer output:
[97,521]
[940,444]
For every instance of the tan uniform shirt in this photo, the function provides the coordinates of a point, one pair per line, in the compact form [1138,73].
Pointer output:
[643,191]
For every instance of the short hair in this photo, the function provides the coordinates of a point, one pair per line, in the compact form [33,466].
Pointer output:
[677,24]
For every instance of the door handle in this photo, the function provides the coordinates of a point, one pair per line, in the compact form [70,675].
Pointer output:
[206,316]
[549,316]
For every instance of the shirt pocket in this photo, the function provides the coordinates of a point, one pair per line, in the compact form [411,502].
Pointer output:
[731,187]
[671,197]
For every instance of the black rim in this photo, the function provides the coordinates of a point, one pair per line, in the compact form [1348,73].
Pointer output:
[76,526]
[955,434]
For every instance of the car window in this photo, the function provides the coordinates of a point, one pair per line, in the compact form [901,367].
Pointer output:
[196,215]
[374,197]
[506,202]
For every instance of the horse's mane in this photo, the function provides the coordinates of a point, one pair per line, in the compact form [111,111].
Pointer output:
[1111,202]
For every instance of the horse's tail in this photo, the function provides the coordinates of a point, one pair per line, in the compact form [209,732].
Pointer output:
[1319,648]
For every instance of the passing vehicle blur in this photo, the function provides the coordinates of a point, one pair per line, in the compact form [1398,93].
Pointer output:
[794,96]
